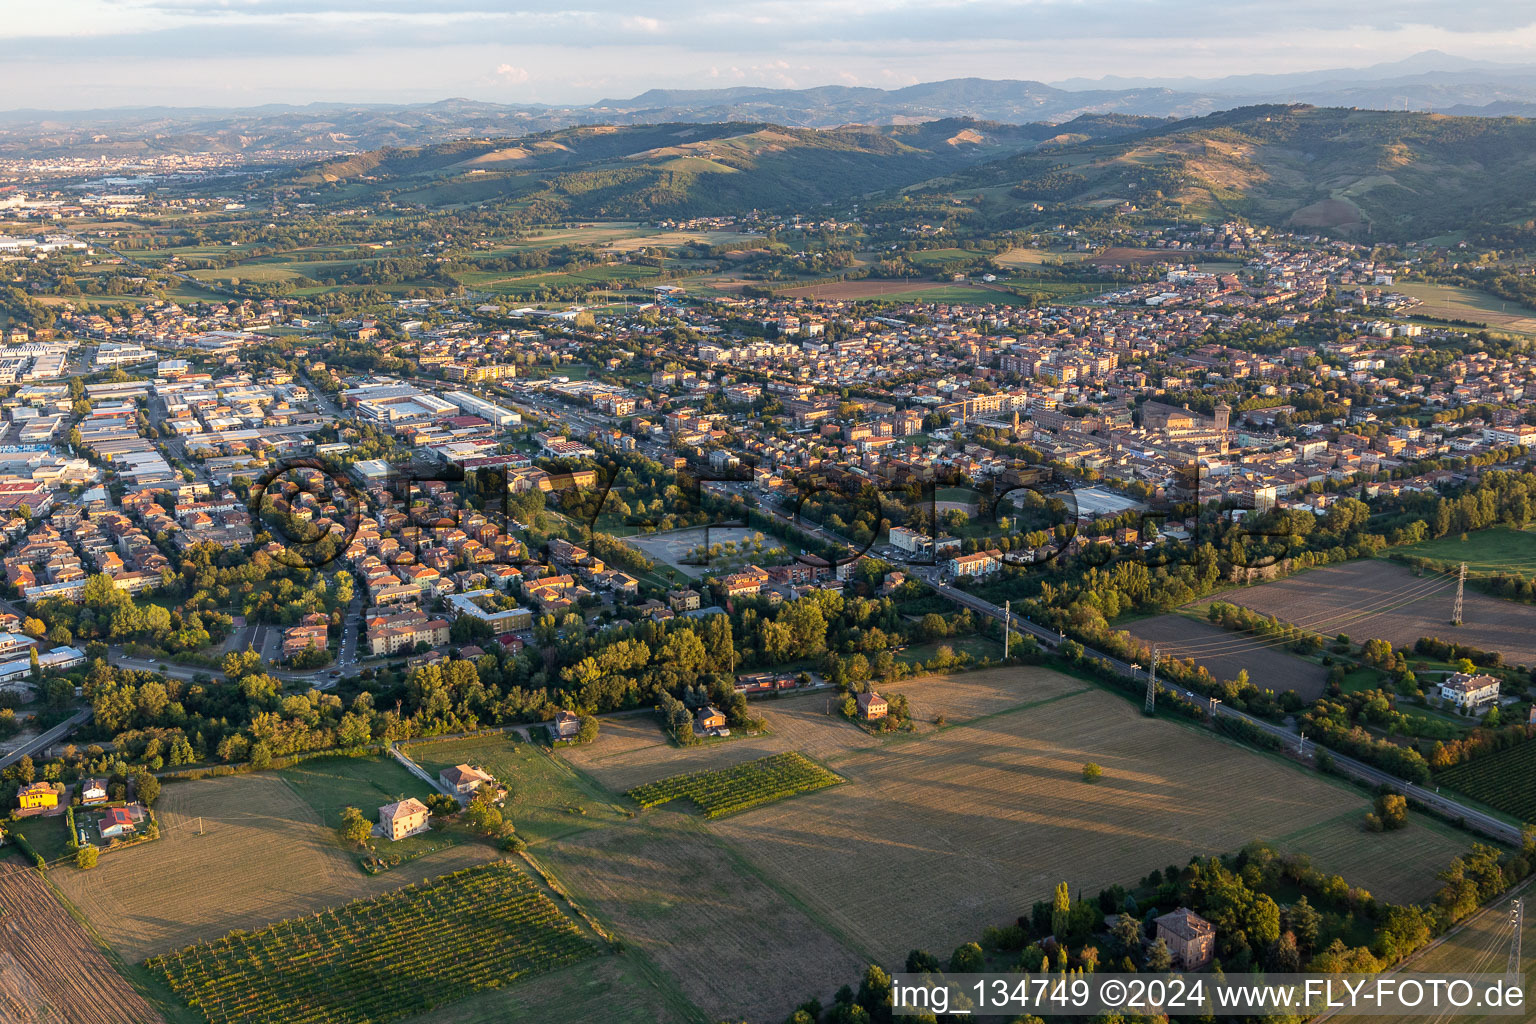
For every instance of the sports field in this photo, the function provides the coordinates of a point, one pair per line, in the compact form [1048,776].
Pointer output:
[262,855]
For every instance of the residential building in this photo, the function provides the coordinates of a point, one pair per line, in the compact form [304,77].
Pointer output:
[1191,938]
[403,819]
[1469,691]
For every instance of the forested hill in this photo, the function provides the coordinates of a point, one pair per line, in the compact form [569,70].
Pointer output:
[1377,174]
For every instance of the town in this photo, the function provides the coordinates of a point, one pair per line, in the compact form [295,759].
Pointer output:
[509,573]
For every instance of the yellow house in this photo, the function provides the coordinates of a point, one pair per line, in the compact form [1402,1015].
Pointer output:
[39,794]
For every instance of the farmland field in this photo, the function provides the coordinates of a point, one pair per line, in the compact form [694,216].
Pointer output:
[738,949]
[612,989]
[546,798]
[384,958]
[1376,599]
[1479,944]
[1417,853]
[1485,551]
[263,855]
[1452,302]
[50,970]
[1277,670]
[980,820]
[1505,780]
[632,751]
[721,791]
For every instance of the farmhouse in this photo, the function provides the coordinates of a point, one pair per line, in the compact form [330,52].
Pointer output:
[463,780]
[38,796]
[403,819]
[566,724]
[93,791]
[1468,691]
[709,719]
[1190,938]
[872,706]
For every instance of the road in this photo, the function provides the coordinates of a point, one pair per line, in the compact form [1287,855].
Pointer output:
[45,740]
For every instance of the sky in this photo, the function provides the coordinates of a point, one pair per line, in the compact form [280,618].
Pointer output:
[73,54]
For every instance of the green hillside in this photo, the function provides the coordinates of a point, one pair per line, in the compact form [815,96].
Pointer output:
[683,169]
[1382,174]
[1386,174]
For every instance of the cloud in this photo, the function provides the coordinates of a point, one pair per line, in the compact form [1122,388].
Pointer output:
[510,73]
[639,23]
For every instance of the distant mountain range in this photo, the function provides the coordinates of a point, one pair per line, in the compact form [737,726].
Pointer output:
[1427,81]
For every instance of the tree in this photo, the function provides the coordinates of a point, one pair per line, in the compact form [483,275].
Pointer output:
[354,828]
[1158,957]
[146,787]
[1092,772]
[1304,922]
[37,666]
[1061,911]
[86,857]
[967,959]
[1126,934]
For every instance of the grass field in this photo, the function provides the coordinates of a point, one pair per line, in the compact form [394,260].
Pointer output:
[1501,549]
[967,827]
[48,836]
[330,784]
[736,946]
[546,798]
[262,854]
[1377,599]
[385,958]
[50,970]
[1505,781]
[1452,302]
[721,791]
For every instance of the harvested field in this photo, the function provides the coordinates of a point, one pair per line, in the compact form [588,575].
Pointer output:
[264,855]
[677,893]
[1128,255]
[51,972]
[972,825]
[632,751]
[1453,302]
[869,288]
[1269,668]
[1416,854]
[1374,599]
